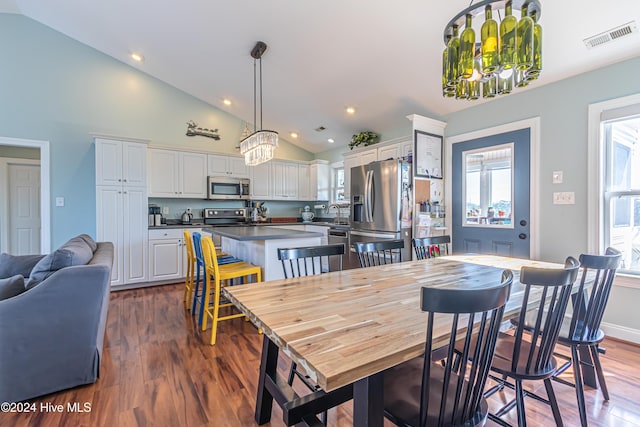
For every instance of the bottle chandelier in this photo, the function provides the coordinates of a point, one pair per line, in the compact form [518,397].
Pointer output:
[506,54]
[260,146]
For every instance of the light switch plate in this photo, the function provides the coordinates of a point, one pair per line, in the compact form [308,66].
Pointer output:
[59,201]
[165,210]
[564,198]
[557,177]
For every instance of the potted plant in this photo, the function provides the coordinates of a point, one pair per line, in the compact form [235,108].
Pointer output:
[363,139]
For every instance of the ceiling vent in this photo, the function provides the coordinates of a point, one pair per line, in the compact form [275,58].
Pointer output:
[611,35]
[320,128]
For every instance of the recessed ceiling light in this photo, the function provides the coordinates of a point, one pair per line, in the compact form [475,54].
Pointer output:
[331,140]
[226,101]
[351,110]
[137,57]
[293,135]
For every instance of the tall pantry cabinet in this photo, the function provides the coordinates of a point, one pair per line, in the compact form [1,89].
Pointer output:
[121,206]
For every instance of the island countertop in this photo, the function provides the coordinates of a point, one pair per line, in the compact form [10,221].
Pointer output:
[260,233]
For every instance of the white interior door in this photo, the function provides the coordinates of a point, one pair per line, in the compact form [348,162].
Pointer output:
[24,209]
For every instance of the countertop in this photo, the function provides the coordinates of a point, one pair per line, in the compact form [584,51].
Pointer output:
[244,233]
[261,224]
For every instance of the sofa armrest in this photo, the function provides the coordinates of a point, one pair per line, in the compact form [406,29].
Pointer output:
[52,335]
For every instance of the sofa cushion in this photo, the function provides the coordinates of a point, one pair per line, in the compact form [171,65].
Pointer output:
[75,252]
[10,265]
[89,241]
[11,286]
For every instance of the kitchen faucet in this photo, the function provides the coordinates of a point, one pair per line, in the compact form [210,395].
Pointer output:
[338,206]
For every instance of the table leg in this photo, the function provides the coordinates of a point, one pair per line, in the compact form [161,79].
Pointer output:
[268,365]
[368,401]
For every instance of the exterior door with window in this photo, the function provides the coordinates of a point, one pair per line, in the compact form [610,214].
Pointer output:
[490,195]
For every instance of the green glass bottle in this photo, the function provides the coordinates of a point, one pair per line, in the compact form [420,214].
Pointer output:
[520,78]
[447,90]
[508,38]
[462,89]
[467,50]
[505,82]
[536,67]
[453,51]
[490,87]
[489,43]
[524,40]
[474,89]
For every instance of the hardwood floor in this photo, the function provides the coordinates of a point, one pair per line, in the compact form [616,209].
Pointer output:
[158,370]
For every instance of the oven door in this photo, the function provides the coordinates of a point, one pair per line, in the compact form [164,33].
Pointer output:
[223,188]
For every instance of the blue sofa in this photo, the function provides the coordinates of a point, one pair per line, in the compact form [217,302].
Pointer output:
[52,333]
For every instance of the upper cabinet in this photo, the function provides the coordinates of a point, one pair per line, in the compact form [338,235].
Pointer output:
[220,165]
[261,187]
[285,180]
[121,163]
[319,180]
[177,174]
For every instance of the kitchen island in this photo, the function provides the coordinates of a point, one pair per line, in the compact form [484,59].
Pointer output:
[259,245]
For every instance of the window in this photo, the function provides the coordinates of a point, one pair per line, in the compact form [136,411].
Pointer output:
[337,186]
[488,187]
[621,189]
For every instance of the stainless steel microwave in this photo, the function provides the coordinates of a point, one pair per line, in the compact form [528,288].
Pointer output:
[225,188]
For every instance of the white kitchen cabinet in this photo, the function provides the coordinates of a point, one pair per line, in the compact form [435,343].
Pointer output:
[121,209]
[167,254]
[285,180]
[304,182]
[177,174]
[319,180]
[120,162]
[220,165]
[261,187]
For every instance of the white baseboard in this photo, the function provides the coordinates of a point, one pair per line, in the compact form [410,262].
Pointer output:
[621,332]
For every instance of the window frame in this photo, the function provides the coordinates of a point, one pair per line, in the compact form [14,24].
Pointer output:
[596,201]
[335,167]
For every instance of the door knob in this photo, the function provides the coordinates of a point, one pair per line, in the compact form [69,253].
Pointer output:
[523,222]
[522,236]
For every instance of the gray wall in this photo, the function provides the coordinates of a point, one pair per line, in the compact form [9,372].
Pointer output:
[56,89]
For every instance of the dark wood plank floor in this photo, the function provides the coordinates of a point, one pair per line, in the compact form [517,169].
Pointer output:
[157,370]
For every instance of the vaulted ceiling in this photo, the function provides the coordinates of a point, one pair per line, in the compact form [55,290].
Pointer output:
[381,57]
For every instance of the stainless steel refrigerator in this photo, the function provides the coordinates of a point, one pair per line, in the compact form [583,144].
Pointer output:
[381,203]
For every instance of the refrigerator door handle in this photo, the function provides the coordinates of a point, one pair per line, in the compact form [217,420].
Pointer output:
[368,207]
[372,196]
[366,197]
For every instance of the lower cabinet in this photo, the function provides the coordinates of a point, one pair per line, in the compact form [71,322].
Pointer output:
[167,254]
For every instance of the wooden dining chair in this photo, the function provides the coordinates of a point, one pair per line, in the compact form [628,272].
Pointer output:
[379,252]
[420,392]
[308,261]
[583,331]
[527,352]
[215,277]
[430,247]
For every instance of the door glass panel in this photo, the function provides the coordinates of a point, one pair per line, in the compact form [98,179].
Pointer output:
[488,187]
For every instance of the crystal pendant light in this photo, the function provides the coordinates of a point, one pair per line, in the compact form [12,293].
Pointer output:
[509,51]
[260,146]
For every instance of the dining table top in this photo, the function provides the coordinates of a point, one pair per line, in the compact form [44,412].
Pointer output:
[347,325]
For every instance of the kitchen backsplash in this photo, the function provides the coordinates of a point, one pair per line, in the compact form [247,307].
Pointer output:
[275,208]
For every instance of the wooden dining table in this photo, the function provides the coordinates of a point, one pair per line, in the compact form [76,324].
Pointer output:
[346,328]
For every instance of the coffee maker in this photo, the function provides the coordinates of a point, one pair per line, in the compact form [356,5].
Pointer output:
[155,217]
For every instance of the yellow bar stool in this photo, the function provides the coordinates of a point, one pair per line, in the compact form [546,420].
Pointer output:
[215,276]
[191,266]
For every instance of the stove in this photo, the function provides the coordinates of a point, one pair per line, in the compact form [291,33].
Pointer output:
[220,217]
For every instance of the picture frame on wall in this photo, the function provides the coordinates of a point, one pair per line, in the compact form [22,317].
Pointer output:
[427,155]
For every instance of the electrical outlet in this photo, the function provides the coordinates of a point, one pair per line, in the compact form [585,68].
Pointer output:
[59,201]
[165,210]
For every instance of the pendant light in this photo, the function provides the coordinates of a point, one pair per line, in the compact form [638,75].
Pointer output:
[507,55]
[260,146]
